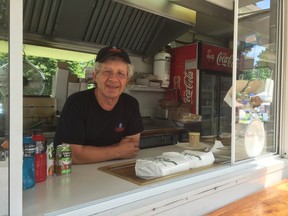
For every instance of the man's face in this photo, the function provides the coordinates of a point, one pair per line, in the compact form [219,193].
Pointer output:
[112,78]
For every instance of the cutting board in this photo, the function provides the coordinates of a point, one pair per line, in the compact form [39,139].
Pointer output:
[126,171]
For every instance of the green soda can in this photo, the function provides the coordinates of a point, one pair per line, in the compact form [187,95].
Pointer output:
[63,159]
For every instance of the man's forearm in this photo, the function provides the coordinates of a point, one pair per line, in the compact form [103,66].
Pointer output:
[92,154]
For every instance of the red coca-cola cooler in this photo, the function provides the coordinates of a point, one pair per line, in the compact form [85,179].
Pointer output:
[184,74]
[203,75]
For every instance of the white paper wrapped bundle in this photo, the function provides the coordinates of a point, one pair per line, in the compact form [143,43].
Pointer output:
[198,158]
[172,162]
[166,164]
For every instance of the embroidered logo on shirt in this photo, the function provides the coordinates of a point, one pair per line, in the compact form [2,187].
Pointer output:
[120,128]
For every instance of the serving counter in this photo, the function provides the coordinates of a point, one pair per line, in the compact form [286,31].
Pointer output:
[90,191]
[85,185]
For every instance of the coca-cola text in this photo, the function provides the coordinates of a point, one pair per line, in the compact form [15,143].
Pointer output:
[224,60]
[188,83]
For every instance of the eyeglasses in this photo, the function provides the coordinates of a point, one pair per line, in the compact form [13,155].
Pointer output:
[118,75]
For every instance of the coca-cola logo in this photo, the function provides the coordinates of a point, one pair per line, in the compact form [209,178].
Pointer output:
[210,56]
[189,84]
[224,60]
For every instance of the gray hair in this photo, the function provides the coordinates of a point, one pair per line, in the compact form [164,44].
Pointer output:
[97,66]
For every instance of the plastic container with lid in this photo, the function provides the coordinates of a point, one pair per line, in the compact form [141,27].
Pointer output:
[161,67]
[40,156]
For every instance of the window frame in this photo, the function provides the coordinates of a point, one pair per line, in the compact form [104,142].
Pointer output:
[15,96]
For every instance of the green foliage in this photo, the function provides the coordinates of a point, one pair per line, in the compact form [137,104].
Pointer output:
[262,70]
[48,67]
[3,59]
[256,74]
[4,10]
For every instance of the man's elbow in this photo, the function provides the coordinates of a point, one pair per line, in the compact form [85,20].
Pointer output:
[76,160]
[76,155]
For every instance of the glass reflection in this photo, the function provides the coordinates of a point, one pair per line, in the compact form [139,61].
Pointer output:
[256,71]
[4,16]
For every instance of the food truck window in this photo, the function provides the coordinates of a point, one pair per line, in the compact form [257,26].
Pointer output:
[4,96]
[256,101]
[257,73]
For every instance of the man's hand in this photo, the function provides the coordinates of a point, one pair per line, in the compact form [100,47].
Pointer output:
[127,148]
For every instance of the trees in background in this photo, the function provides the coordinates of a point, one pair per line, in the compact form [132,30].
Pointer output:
[48,67]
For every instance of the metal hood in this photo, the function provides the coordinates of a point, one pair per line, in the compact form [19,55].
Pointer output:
[84,25]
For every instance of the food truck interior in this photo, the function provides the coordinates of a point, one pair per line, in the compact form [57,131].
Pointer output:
[142,29]
[145,29]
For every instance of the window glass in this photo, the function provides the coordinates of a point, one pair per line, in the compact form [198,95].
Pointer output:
[256,76]
[4,96]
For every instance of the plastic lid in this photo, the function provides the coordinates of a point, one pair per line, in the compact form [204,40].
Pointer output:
[27,140]
[194,133]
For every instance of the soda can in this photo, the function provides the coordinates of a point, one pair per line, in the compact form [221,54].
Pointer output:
[50,160]
[63,159]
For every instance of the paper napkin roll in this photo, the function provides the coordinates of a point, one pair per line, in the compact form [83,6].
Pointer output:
[165,164]
[198,158]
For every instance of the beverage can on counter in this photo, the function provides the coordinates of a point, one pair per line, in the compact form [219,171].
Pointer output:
[63,159]
[50,160]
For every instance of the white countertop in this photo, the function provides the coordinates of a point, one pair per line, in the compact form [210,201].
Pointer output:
[84,185]
[88,190]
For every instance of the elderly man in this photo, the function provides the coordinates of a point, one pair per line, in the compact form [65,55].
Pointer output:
[102,123]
